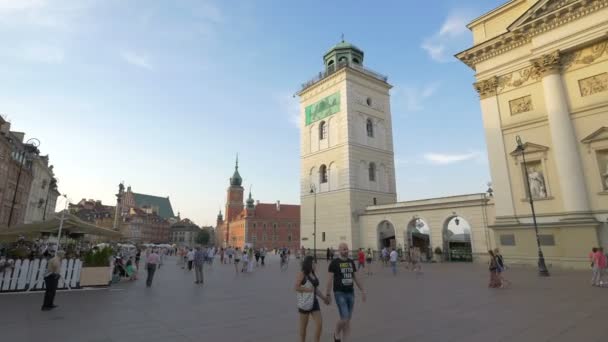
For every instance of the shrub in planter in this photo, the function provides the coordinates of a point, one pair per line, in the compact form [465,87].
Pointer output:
[99,258]
[96,267]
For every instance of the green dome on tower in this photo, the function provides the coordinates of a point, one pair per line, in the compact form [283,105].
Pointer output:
[341,54]
[236,179]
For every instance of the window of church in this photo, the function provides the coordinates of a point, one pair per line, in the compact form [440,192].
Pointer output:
[369,126]
[372,172]
[602,161]
[323,174]
[322,130]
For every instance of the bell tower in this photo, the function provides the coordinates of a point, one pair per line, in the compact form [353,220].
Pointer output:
[234,194]
[346,159]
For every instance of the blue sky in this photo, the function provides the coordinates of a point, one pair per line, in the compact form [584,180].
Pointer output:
[163,94]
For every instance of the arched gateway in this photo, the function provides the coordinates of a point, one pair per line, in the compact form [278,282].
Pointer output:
[386,235]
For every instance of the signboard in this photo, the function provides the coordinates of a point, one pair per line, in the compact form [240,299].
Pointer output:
[323,108]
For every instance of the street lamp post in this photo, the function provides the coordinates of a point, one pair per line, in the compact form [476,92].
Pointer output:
[542,267]
[32,142]
[61,222]
[314,222]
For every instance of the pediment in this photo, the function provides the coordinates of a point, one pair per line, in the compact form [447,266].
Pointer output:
[600,134]
[542,10]
[530,148]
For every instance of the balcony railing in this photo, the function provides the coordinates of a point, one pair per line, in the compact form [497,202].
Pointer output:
[333,69]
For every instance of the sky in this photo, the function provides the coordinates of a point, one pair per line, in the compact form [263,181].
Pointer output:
[163,94]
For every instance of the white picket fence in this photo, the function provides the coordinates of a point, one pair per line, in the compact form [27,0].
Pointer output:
[28,275]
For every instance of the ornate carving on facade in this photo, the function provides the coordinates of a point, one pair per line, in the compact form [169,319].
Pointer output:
[556,13]
[547,64]
[594,84]
[486,88]
[580,58]
[521,105]
[518,78]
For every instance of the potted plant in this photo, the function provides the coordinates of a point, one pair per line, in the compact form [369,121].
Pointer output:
[438,254]
[96,267]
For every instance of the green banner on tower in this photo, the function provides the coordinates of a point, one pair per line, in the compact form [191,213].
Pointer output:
[323,108]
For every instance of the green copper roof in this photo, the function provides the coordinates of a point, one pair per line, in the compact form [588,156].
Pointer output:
[162,204]
[236,179]
[344,45]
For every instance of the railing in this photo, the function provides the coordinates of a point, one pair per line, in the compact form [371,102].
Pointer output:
[333,69]
[25,275]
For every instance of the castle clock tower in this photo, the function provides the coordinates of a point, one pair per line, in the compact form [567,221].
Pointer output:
[347,160]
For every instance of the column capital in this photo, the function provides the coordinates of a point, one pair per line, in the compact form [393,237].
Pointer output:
[486,88]
[548,64]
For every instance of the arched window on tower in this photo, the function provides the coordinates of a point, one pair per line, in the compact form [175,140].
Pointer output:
[369,126]
[356,61]
[372,172]
[323,174]
[322,130]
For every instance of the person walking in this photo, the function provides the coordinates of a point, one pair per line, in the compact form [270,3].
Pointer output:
[328,255]
[199,261]
[245,261]
[599,265]
[493,265]
[500,268]
[369,257]
[210,255]
[237,259]
[361,258]
[250,257]
[230,252]
[393,260]
[384,256]
[152,261]
[342,277]
[51,279]
[257,257]
[307,289]
[263,255]
[190,258]
[222,255]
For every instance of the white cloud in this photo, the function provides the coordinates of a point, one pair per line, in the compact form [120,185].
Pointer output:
[414,98]
[447,158]
[136,59]
[20,5]
[290,107]
[449,38]
[42,53]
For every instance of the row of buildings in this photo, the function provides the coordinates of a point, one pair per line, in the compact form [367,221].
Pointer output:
[141,218]
[28,186]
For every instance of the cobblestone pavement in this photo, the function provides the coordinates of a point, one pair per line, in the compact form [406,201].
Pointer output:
[449,302]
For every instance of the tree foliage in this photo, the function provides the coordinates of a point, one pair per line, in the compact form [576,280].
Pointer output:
[202,238]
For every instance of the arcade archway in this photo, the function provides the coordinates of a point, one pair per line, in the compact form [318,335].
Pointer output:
[418,235]
[386,235]
[457,239]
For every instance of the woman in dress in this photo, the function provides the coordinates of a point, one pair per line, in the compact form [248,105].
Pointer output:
[250,258]
[368,258]
[493,267]
[308,283]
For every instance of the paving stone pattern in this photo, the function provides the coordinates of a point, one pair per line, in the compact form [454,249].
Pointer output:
[449,302]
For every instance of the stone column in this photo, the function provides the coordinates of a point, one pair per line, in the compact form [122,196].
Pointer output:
[565,145]
[497,154]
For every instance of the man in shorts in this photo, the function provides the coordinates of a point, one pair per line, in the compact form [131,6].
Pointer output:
[342,277]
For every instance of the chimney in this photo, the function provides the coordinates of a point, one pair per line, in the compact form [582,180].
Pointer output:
[278,205]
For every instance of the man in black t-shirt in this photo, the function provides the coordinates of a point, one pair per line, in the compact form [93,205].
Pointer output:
[342,277]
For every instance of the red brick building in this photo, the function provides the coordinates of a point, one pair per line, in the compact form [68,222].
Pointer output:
[145,218]
[269,225]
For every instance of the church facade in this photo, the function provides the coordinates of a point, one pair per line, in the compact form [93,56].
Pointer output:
[542,76]
[255,224]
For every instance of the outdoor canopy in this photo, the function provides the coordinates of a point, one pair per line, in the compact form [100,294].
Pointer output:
[71,225]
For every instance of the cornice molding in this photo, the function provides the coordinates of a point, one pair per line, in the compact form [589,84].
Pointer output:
[551,16]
